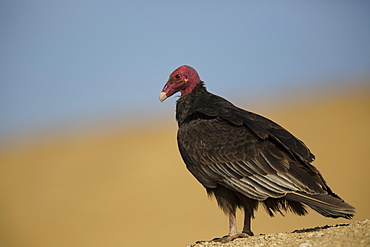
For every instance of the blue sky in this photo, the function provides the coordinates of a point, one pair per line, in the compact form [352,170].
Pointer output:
[63,62]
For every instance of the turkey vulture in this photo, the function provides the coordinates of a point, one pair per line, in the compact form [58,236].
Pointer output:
[244,159]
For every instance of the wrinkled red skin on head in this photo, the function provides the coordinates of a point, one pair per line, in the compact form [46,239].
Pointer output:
[182,79]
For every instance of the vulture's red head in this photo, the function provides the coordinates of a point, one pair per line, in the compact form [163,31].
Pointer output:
[183,79]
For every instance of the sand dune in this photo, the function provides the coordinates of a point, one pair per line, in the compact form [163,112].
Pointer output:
[131,188]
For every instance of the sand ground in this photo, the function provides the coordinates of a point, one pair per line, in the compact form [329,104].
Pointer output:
[354,234]
[129,186]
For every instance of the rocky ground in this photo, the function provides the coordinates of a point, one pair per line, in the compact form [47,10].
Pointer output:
[353,234]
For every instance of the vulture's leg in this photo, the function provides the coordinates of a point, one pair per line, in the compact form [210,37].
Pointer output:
[233,232]
[232,224]
[247,222]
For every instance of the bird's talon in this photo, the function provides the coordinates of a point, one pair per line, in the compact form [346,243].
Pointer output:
[228,238]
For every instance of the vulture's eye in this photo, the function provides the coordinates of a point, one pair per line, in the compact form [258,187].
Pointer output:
[177,76]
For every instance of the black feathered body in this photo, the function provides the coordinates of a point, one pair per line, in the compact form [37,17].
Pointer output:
[244,159]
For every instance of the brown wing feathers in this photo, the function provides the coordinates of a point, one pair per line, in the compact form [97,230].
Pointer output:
[257,170]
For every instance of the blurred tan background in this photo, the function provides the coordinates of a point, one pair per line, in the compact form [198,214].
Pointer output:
[127,185]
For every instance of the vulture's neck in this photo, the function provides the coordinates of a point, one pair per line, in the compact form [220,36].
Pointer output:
[188,103]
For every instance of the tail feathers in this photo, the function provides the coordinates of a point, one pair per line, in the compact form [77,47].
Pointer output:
[327,205]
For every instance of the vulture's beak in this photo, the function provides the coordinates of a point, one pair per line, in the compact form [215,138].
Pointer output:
[162,96]
[167,91]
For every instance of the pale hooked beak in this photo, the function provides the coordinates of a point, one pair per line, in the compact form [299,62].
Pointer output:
[162,96]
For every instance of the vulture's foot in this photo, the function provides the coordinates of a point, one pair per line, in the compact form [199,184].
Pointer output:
[228,238]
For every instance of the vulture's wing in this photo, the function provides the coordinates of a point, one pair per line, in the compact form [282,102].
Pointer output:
[265,128]
[247,153]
